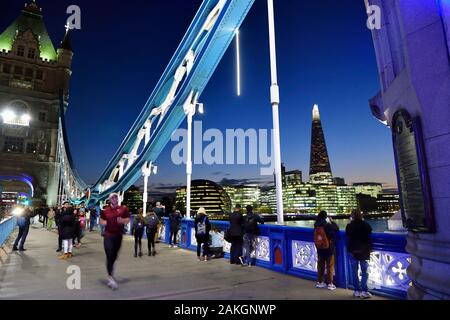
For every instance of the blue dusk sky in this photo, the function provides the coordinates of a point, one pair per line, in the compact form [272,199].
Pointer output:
[325,56]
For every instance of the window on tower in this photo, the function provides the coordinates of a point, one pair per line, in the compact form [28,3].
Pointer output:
[39,75]
[18,70]
[13,145]
[31,148]
[31,53]
[42,116]
[20,51]
[29,74]
[7,68]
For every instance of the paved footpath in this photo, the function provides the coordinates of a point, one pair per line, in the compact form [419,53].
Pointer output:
[173,274]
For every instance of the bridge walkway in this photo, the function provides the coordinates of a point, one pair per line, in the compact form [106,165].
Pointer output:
[173,274]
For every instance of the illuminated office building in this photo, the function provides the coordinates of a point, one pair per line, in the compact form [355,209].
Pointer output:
[388,202]
[346,198]
[133,199]
[372,189]
[206,194]
[244,195]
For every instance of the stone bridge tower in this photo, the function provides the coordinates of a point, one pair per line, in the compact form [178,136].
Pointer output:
[412,49]
[32,75]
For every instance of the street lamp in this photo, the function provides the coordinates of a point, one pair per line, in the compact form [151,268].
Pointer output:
[275,100]
[190,108]
[8,116]
[147,170]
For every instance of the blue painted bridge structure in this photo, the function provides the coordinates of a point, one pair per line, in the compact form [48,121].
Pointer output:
[291,250]
[180,87]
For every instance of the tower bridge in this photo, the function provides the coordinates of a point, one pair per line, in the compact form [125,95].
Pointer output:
[413,61]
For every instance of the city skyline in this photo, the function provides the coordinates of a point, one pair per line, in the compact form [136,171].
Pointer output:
[306,77]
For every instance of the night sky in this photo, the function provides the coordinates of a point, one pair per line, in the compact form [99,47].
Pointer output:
[325,56]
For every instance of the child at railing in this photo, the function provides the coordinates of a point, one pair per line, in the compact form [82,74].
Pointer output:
[216,248]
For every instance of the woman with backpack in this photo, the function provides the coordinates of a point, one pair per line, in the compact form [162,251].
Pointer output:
[152,223]
[202,229]
[325,231]
[138,232]
[359,234]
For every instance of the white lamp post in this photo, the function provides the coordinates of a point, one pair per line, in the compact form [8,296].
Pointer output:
[190,109]
[275,100]
[147,170]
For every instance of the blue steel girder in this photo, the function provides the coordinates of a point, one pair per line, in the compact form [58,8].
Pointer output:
[209,48]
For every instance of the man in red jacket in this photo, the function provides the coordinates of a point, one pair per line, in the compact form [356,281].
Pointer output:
[114,218]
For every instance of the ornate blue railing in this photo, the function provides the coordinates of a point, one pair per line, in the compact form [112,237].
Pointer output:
[291,250]
[6,228]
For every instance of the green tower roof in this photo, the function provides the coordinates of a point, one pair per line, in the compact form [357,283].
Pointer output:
[30,19]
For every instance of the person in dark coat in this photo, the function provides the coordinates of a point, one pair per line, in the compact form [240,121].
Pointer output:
[236,233]
[23,221]
[251,232]
[359,234]
[202,229]
[175,222]
[326,257]
[68,230]
[138,232]
[58,216]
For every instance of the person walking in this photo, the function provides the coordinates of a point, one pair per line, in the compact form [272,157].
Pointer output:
[68,228]
[359,234]
[78,228]
[325,232]
[23,221]
[251,232]
[93,219]
[236,234]
[175,222]
[44,214]
[114,218]
[202,229]
[58,216]
[152,222]
[138,231]
[51,218]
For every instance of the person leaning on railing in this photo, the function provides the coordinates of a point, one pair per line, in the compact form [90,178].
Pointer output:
[325,232]
[359,234]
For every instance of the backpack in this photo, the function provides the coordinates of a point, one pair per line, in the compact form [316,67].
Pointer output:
[320,239]
[139,225]
[251,224]
[201,227]
[152,223]
[21,222]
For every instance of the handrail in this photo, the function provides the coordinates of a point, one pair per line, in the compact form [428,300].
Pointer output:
[291,250]
[6,228]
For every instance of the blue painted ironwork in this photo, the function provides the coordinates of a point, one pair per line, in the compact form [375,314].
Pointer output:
[387,268]
[6,228]
[208,47]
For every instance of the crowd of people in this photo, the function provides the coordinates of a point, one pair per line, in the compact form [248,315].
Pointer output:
[72,222]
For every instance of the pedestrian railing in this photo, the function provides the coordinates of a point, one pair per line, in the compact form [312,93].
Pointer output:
[291,250]
[6,228]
